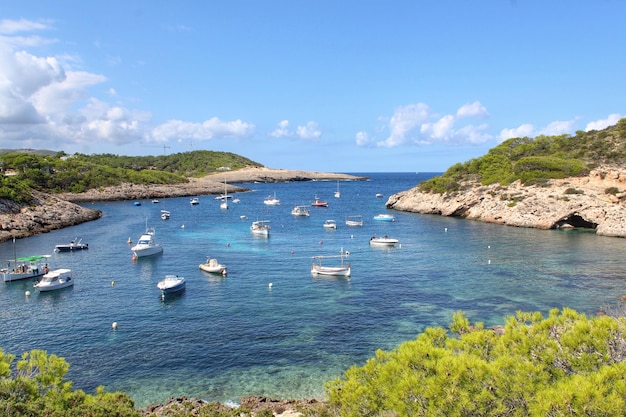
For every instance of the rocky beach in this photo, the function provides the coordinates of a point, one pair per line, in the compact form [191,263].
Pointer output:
[55,211]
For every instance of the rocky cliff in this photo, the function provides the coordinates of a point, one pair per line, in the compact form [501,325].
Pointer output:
[45,214]
[596,201]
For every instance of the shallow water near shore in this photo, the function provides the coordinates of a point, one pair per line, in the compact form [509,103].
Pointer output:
[226,337]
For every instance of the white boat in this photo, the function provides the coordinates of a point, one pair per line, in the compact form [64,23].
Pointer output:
[155,201]
[76,244]
[25,267]
[171,283]
[330,224]
[383,241]
[146,246]
[224,198]
[194,201]
[356,220]
[300,211]
[55,280]
[343,269]
[271,201]
[212,266]
[385,217]
[260,228]
[337,193]
[236,200]
[379,195]
[165,214]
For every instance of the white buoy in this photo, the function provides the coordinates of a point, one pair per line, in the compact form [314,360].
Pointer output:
[27,293]
[114,325]
[445,229]
[489,262]
[270,285]
[112,283]
[182,227]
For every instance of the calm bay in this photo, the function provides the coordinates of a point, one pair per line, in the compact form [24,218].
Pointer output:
[226,337]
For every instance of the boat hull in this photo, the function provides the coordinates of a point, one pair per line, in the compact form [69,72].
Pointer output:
[331,271]
[171,284]
[55,280]
[8,276]
[383,242]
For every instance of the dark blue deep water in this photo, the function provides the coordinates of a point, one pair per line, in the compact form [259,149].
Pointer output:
[225,337]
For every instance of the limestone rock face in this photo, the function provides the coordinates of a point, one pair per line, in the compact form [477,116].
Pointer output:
[596,201]
[47,213]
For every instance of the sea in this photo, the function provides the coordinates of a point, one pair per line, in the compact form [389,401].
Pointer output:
[269,327]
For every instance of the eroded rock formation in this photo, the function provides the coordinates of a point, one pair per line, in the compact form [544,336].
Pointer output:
[596,201]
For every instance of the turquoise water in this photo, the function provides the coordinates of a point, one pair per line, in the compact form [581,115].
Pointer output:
[225,337]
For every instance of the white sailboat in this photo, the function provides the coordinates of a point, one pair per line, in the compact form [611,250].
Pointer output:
[337,193]
[224,202]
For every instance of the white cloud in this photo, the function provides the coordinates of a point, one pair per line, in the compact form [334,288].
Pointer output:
[517,132]
[209,129]
[362,139]
[416,124]
[559,127]
[474,109]
[282,130]
[604,123]
[310,131]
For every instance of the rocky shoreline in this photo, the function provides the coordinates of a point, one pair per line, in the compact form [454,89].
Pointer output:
[596,201]
[51,212]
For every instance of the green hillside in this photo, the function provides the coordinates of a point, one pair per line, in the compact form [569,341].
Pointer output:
[77,173]
[534,161]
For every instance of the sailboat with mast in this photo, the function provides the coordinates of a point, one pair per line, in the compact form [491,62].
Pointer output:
[224,202]
[25,267]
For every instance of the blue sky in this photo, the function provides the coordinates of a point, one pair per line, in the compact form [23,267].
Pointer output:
[339,86]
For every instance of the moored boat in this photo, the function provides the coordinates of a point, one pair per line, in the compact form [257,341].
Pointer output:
[356,220]
[319,203]
[76,244]
[194,201]
[343,269]
[25,267]
[171,283]
[146,246]
[330,224]
[271,201]
[385,217]
[55,280]
[383,241]
[300,211]
[212,266]
[260,228]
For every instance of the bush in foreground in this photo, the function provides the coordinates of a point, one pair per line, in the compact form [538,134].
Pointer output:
[565,364]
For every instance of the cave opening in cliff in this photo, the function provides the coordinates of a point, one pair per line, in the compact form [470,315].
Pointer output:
[575,221]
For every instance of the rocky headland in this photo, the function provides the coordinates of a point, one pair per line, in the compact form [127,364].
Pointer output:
[596,201]
[50,212]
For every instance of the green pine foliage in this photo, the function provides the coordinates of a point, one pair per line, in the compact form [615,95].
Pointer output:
[78,173]
[36,386]
[534,161]
[565,364]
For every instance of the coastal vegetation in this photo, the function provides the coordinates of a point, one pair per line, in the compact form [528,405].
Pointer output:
[563,364]
[57,173]
[537,160]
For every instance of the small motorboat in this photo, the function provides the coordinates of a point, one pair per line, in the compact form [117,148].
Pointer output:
[146,245]
[76,244]
[194,201]
[165,214]
[55,280]
[212,266]
[300,211]
[155,201]
[137,203]
[271,201]
[383,241]
[171,283]
[385,217]
[319,203]
[330,224]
